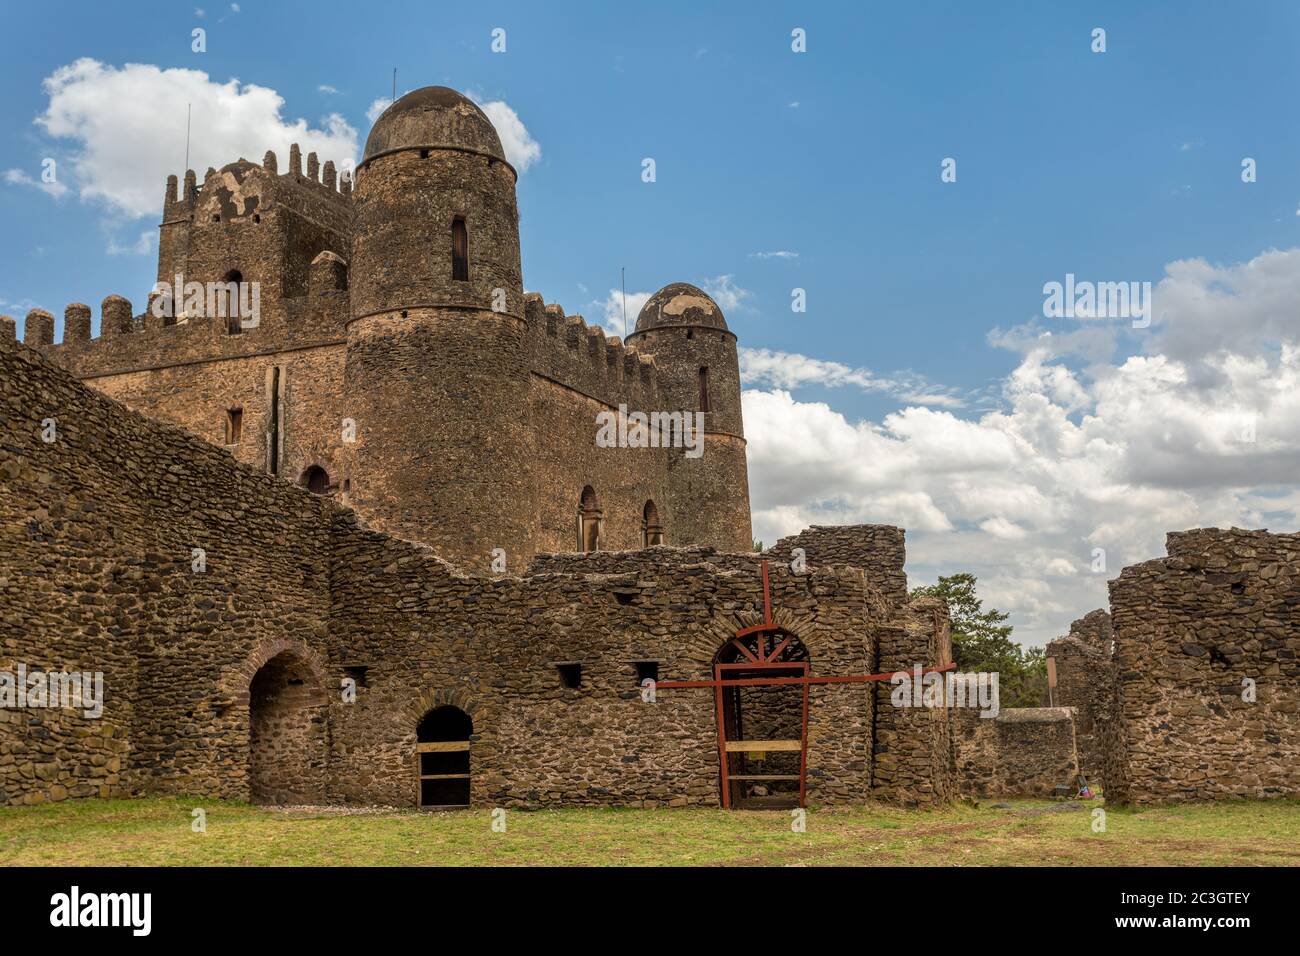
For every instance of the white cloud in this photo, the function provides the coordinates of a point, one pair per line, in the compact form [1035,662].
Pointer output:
[522,151]
[611,310]
[724,291]
[17,177]
[778,254]
[104,113]
[327,89]
[1109,457]
[377,107]
[142,245]
[790,370]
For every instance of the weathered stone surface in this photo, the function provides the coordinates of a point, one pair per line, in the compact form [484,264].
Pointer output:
[1195,633]
[229,681]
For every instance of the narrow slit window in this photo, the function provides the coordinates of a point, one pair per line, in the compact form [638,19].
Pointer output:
[234,425]
[459,250]
[704,389]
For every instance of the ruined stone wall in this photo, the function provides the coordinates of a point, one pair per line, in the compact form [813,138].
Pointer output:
[100,529]
[1085,678]
[429,634]
[879,550]
[913,743]
[1022,752]
[226,681]
[1192,631]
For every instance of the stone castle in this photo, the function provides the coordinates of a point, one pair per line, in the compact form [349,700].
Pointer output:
[398,364]
[368,549]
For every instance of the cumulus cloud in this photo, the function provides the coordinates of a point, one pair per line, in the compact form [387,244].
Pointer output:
[790,370]
[522,151]
[611,310]
[101,114]
[377,107]
[724,291]
[17,177]
[1073,466]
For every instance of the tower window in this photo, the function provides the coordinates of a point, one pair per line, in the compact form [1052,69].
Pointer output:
[230,297]
[704,389]
[570,675]
[234,425]
[459,250]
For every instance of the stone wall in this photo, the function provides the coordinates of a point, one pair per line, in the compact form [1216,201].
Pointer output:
[1195,632]
[1085,681]
[877,549]
[97,573]
[1022,752]
[227,668]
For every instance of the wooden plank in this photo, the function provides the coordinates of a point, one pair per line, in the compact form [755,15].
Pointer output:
[765,776]
[442,747]
[444,776]
[751,746]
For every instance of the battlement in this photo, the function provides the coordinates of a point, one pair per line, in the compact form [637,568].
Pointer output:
[564,349]
[180,204]
[129,342]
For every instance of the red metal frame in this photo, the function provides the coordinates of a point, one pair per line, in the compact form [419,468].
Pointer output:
[766,660]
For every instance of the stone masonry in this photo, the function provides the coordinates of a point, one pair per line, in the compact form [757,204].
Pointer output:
[260,642]
[1207,660]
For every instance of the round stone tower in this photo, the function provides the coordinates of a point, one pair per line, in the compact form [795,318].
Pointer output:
[699,371]
[437,373]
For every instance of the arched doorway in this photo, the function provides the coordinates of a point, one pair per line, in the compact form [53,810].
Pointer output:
[588,521]
[442,757]
[316,480]
[652,532]
[286,732]
[764,725]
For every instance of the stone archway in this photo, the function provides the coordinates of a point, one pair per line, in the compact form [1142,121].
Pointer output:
[287,716]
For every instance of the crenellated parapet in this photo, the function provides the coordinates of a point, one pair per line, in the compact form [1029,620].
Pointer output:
[568,351]
[129,343]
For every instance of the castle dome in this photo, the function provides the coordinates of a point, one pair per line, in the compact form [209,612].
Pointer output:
[435,117]
[680,304]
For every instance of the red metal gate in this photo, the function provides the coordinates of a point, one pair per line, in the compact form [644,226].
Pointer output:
[766,663]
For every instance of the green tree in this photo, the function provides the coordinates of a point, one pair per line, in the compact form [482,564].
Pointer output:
[981,641]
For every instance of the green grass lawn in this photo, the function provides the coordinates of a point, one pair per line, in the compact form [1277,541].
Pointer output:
[158,831]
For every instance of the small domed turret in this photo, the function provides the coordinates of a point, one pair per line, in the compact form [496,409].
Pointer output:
[680,304]
[437,118]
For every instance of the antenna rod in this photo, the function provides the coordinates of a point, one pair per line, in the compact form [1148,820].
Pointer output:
[187,137]
[394,84]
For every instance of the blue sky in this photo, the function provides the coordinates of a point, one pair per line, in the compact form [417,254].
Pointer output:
[1107,165]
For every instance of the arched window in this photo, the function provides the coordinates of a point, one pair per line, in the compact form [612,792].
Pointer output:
[459,250]
[442,757]
[316,480]
[652,532]
[229,300]
[704,389]
[588,521]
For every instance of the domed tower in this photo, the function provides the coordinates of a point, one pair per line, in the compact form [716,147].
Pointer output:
[695,354]
[437,372]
